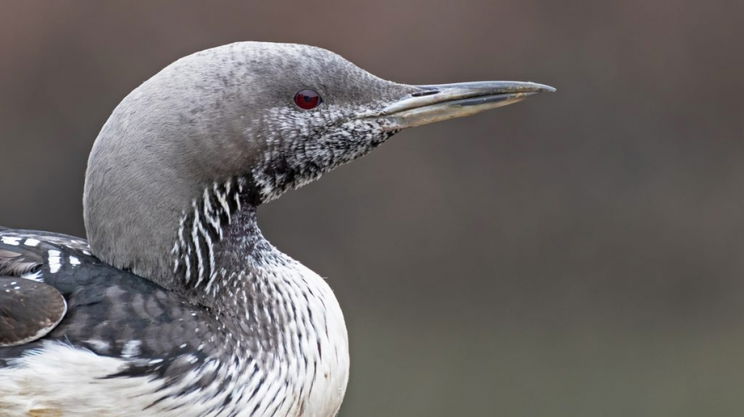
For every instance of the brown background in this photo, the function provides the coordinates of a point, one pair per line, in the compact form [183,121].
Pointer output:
[579,254]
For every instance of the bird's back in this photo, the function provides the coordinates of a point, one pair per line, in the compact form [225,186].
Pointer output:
[118,334]
[125,346]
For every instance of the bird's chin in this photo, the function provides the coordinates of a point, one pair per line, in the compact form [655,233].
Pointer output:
[436,103]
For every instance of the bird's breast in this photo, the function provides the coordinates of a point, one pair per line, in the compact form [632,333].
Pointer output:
[314,354]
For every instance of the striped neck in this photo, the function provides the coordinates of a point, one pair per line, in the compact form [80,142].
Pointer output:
[271,309]
[217,237]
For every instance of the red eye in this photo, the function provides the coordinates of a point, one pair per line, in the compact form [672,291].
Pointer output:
[307,99]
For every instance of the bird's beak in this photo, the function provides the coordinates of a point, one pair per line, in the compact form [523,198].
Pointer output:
[434,103]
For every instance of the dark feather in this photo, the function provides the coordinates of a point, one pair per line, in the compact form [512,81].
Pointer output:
[16,262]
[28,310]
[106,308]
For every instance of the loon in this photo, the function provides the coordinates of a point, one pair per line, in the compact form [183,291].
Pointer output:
[176,304]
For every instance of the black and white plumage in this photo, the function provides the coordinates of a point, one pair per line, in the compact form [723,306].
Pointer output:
[176,305]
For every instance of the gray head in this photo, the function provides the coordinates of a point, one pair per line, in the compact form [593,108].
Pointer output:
[245,116]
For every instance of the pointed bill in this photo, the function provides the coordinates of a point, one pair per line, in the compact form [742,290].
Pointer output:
[435,103]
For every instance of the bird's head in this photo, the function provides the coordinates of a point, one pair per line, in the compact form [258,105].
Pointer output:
[275,115]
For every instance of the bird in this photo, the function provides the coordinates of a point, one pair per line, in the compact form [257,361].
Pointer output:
[175,304]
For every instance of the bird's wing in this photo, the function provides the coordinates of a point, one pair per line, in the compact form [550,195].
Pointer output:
[59,291]
[29,308]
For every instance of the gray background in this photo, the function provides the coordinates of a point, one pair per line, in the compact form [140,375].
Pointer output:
[578,254]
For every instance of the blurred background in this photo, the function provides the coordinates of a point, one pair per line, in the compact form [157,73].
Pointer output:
[578,254]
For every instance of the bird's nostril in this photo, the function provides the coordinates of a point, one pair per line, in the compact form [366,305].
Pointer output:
[425,93]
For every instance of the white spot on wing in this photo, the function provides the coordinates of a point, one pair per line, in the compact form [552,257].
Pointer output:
[99,344]
[31,242]
[74,261]
[9,240]
[55,261]
[131,348]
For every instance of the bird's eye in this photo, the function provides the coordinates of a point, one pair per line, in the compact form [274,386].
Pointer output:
[307,99]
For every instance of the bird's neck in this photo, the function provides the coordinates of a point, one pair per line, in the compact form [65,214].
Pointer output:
[221,259]
[218,242]
[285,316]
